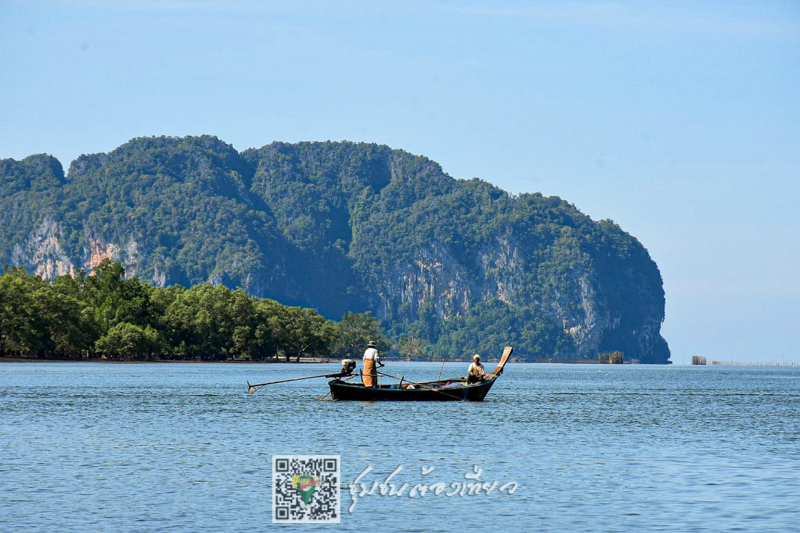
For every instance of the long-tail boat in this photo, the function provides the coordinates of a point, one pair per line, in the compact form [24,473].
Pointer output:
[455,389]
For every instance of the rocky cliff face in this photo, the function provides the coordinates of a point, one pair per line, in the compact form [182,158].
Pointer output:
[42,252]
[343,226]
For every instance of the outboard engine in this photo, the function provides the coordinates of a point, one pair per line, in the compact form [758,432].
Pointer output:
[348,365]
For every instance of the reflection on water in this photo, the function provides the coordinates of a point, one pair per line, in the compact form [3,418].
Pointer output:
[147,446]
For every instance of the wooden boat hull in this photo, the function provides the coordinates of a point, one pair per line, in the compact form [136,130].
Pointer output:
[429,392]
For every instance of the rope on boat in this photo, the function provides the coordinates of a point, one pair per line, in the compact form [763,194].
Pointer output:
[329,397]
[420,385]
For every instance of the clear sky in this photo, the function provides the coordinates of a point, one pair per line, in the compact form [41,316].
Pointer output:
[678,120]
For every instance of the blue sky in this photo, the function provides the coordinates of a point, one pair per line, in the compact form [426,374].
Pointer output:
[678,120]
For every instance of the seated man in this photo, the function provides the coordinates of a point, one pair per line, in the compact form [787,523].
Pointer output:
[476,372]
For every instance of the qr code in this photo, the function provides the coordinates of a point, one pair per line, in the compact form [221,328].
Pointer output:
[305,488]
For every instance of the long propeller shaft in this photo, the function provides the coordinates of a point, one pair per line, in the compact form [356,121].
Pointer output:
[252,388]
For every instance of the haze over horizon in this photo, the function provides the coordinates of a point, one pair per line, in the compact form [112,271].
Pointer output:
[678,121]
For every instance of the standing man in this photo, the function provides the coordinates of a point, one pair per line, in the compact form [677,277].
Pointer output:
[371,364]
[476,372]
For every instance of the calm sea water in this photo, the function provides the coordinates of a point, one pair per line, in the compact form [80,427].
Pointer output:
[141,447]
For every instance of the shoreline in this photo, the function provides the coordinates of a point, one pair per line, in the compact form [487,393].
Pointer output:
[310,360]
[305,361]
[331,360]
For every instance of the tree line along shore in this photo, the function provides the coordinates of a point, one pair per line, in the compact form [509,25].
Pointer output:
[107,317]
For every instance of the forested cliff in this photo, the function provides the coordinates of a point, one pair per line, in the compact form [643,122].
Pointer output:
[457,266]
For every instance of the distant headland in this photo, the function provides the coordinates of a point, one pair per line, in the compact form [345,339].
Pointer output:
[445,266]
